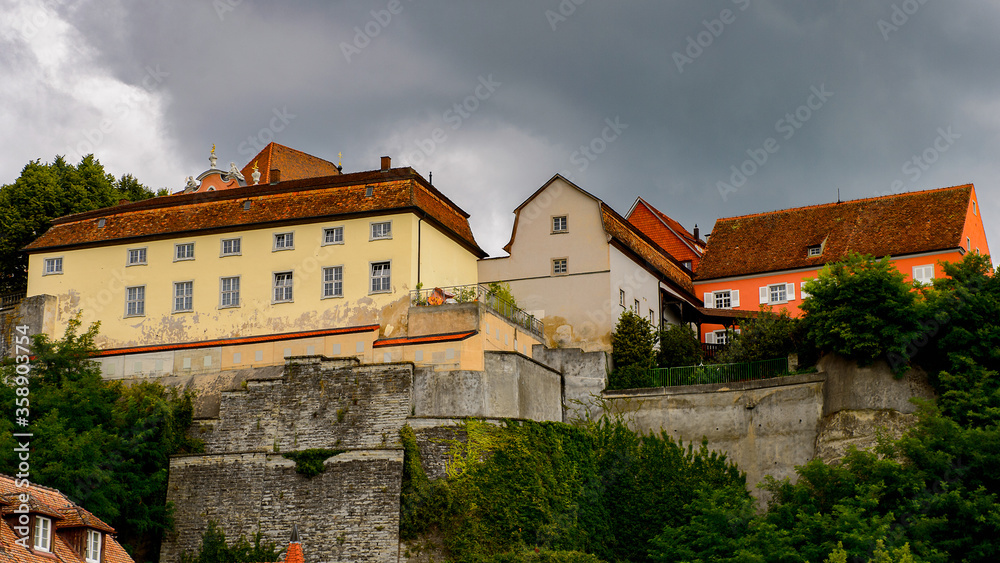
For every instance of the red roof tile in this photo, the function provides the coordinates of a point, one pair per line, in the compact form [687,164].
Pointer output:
[666,232]
[292,164]
[631,237]
[405,340]
[891,225]
[294,202]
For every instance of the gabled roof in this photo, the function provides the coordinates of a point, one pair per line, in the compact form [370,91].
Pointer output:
[293,164]
[665,231]
[893,225]
[628,237]
[398,190]
[65,513]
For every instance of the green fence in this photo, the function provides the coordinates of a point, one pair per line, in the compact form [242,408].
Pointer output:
[718,373]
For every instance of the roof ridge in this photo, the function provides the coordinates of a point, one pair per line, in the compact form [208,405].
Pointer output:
[850,201]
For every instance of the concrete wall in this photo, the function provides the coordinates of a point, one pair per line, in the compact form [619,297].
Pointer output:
[510,386]
[585,375]
[38,313]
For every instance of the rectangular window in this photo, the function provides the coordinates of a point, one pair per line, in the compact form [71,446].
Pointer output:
[333,281]
[381,280]
[183,296]
[923,274]
[635,307]
[229,292]
[333,235]
[284,241]
[93,549]
[815,250]
[135,301]
[559,266]
[282,287]
[184,251]
[43,533]
[52,266]
[621,297]
[777,293]
[722,337]
[382,230]
[560,224]
[723,299]
[652,317]
[231,247]
[136,256]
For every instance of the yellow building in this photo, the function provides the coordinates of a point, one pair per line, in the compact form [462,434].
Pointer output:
[336,251]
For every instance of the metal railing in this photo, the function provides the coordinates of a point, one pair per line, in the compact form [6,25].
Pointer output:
[709,351]
[718,373]
[479,293]
[10,300]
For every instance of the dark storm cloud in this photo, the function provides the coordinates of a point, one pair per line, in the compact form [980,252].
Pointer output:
[697,86]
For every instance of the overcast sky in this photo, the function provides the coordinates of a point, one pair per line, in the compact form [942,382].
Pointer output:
[664,100]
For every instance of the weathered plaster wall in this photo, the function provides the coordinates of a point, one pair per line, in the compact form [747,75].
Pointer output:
[38,313]
[584,377]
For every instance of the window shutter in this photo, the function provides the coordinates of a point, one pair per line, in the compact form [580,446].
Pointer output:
[709,301]
[790,290]
[763,294]
[802,290]
[734,298]
[709,338]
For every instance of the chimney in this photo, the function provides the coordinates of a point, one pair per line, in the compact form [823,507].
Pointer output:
[274,176]
[696,232]
[386,163]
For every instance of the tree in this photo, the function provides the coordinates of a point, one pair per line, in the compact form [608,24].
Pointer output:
[679,346]
[862,308]
[632,351]
[764,337]
[46,191]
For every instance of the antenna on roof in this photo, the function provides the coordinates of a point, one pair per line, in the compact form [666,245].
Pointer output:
[430,178]
[838,195]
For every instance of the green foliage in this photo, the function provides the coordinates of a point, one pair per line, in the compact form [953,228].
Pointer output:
[767,336]
[567,491]
[103,444]
[501,291]
[214,548]
[679,346]
[45,191]
[310,462]
[861,308]
[632,351]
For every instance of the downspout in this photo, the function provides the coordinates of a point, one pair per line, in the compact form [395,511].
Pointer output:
[419,219]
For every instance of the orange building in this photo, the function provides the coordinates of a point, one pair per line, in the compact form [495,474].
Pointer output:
[766,258]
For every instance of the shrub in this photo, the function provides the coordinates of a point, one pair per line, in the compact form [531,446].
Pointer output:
[679,346]
[632,342]
[764,337]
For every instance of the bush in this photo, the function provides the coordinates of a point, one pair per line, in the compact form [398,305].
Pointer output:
[679,346]
[214,548]
[632,342]
[764,337]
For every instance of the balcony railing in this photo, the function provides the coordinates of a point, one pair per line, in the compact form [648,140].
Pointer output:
[477,293]
[10,300]
[718,373]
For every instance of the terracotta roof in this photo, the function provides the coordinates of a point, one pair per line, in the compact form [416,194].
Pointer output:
[397,190]
[292,164]
[890,225]
[235,341]
[72,516]
[405,340]
[665,231]
[631,237]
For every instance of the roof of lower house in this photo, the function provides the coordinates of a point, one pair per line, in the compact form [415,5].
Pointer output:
[892,225]
[65,514]
[292,165]
[308,200]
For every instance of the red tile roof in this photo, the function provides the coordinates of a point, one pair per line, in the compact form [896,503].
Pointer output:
[666,232]
[292,164]
[405,340]
[66,515]
[892,225]
[308,200]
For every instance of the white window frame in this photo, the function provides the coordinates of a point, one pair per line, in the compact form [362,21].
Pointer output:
[635,306]
[140,256]
[231,292]
[287,241]
[238,241]
[816,250]
[177,251]
[335,231]
[187,305]
[92,547]
[332,283]
[43,534]
[287,289]
[560,228]
[621,297]
[385,234]
[386,279]
[711,299]
[922,268]
[139,301]
[560,266]
[53,266]
[766,293]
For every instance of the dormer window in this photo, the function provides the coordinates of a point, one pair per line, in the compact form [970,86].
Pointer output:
[43,533]
[814,250]
[93,548]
